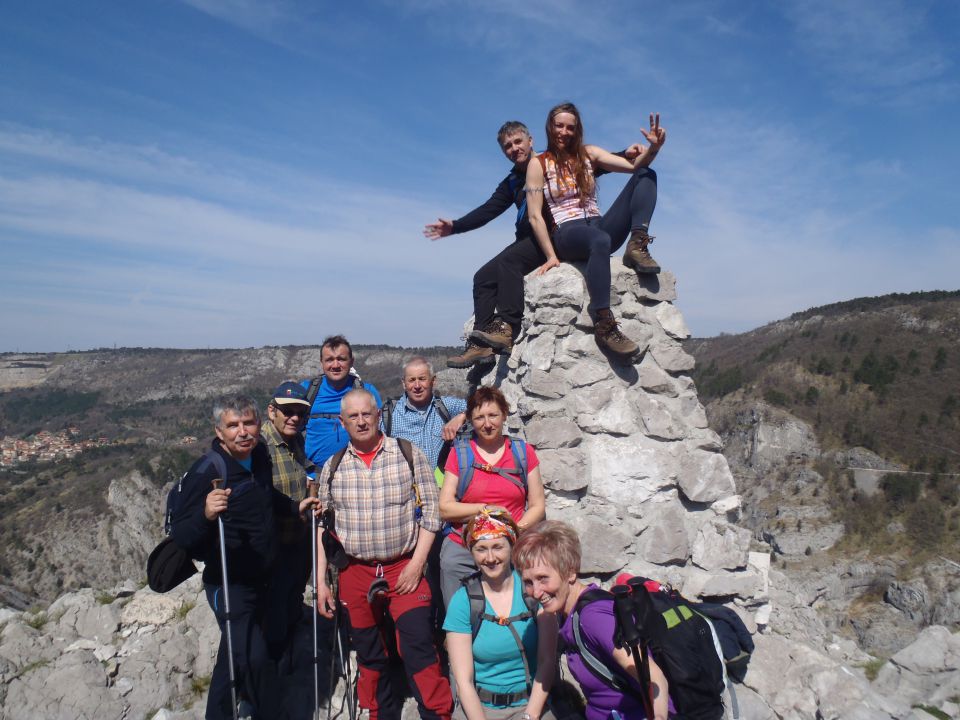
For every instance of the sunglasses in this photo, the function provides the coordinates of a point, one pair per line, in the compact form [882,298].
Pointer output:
[291,409]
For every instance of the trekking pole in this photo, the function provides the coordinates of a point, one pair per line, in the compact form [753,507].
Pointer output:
[312,491]
[217,484]
[632,639]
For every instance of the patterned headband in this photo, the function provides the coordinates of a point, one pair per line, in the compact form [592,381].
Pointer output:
[488,527]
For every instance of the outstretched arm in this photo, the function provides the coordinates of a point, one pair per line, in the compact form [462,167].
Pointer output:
[534,190]
[636,155]
[501,199]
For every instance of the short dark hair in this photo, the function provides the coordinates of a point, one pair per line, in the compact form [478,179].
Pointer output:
[335,341]
[511,127]
[486,394]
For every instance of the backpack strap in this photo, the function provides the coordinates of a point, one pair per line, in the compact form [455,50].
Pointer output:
[465,467]
[313,390]
[386,416]
[519,449]
[467,463]
[335,461]
[210,457]
[520,201]
[612,680]
[441,408]
[312,395]
[478,613]
[406,449]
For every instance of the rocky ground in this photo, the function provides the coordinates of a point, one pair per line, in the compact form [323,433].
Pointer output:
[629,459]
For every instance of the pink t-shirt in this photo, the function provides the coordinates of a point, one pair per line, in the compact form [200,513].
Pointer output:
[491,488]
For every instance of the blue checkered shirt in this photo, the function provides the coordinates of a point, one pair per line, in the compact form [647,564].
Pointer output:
[423,427]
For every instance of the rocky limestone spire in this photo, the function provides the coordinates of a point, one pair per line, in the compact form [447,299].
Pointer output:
[627,456]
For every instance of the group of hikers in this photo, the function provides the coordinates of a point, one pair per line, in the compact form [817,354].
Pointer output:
[422,515]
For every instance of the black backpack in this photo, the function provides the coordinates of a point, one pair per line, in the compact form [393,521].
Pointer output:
[478,613]
[169,564]
[680,640]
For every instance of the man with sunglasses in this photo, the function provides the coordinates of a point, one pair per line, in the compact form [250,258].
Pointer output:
[282,435]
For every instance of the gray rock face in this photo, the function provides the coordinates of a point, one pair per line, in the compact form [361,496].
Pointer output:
[623,446]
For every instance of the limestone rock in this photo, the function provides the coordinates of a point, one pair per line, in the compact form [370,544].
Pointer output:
[664,538]
[927,670]
[721,546]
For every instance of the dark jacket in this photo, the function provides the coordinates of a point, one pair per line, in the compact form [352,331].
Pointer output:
[248,522]
[509,192]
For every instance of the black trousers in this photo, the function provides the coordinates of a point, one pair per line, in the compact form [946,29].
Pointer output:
[498,285]
[256,672]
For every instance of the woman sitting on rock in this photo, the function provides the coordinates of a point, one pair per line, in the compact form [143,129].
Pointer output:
[548,559]
[502,651]
[488,470]
[563,178]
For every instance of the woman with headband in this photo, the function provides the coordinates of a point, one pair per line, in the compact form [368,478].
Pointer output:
[502,649]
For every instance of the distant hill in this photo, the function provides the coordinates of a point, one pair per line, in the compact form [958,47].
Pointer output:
[878,372]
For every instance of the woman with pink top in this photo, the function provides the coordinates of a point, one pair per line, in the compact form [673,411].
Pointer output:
[561,182]
[496,482]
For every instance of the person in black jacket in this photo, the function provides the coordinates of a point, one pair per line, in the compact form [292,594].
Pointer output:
[247,502]
[498,285]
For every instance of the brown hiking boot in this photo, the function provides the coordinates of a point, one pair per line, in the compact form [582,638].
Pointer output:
[474,354]
[636,255]
[607,333]
[497,335]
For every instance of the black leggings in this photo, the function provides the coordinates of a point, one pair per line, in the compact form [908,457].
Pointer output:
[594,239]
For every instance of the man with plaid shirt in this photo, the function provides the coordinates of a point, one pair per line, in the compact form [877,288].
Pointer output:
[386,520]
[282,435]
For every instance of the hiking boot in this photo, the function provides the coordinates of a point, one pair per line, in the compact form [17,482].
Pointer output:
[636,255]
[474,354]
[497,335]
[607,333]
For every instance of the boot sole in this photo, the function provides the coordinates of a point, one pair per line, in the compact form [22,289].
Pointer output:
[488,340]
[641,269]
[464,364]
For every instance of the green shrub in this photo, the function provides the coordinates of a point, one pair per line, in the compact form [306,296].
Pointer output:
[900,490]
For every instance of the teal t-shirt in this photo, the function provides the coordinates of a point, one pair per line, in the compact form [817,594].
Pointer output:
[497,664]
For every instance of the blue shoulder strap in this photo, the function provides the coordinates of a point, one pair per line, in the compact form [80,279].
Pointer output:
[519,448]
[464,464]
[522,205]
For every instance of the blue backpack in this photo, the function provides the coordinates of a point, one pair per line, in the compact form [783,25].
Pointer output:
[467,464]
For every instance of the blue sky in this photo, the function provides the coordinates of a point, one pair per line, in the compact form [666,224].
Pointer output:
[232,173]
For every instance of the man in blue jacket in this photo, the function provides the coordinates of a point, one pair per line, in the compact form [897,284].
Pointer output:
[325,434]
[498,285]
[247,502]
